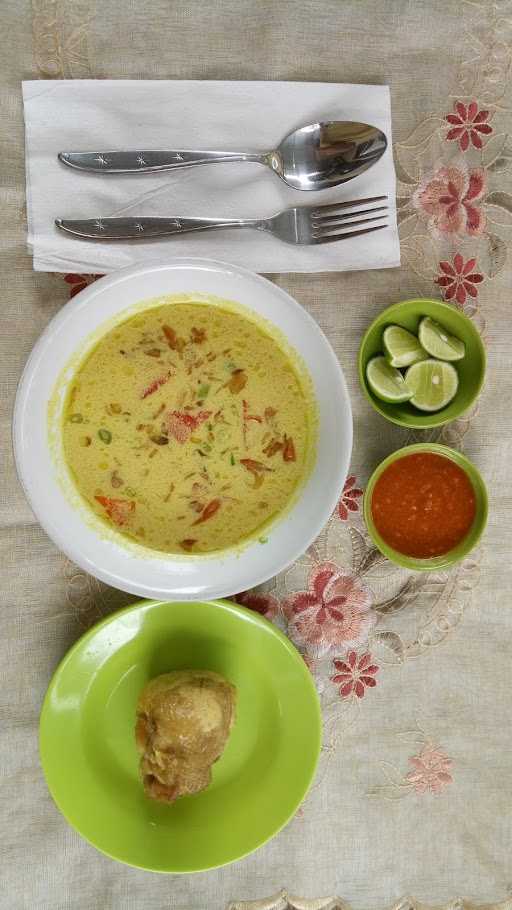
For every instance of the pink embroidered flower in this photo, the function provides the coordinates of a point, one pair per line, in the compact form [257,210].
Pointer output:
[335,610]
[431,770]
[467,124]
[348,502]
[355,675]
[458,279]
[265,604]
[79,282]
[451,198]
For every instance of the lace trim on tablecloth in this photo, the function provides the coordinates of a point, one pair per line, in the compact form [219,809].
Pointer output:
[284,901]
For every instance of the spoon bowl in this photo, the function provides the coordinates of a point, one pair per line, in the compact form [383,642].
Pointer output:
[323,155]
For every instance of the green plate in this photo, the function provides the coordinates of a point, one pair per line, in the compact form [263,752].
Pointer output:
[87,735]
[471,369]
[469,541]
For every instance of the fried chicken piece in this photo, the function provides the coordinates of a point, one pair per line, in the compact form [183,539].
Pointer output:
[183,723]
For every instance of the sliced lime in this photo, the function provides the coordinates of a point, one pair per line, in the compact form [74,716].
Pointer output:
[433,384]
[402,347]
[386,382]
[438,342]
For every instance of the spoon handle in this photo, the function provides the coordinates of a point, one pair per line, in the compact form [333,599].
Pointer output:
[143,161]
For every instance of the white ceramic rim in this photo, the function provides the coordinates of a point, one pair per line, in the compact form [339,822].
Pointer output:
[161,576]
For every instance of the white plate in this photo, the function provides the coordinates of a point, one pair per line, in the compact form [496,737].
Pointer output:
[165,576]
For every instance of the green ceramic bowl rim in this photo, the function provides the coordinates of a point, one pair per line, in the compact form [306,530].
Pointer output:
[433,422]
[472,537]
[316,732]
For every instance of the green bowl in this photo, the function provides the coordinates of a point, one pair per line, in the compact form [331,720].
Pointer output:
[471,368]
[471,538]
[88,749]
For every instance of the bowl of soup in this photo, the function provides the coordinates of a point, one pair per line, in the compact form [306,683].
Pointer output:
[183,429]
[425,506]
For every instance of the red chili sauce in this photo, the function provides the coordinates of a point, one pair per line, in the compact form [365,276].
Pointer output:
[423,505]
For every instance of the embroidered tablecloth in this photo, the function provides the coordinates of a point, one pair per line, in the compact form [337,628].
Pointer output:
[414,671]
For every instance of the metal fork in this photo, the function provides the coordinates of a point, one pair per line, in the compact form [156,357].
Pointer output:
[301,224]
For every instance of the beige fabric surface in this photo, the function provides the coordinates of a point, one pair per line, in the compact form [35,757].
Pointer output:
[439,717]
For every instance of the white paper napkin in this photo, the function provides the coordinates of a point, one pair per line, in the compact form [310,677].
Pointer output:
[94,115]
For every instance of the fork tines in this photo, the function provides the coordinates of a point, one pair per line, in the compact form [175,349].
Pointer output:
[326,220]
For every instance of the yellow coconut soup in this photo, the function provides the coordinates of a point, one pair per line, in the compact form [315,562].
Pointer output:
[188,428]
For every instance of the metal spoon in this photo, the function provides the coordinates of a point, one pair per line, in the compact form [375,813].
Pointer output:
[313,157]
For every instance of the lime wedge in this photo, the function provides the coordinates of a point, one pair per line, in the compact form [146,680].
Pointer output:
[433,384]
[386,382]
[402,347]
[438,342]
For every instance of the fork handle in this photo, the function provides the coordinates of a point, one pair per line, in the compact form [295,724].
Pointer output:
[143,161]
[147,228]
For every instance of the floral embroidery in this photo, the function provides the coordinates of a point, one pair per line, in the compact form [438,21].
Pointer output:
[265,604]
[458,279]
[355,674]
[79,282]
[350,495]
[335,610]
[468,124]
[450,172]
[431,770]
[450,198]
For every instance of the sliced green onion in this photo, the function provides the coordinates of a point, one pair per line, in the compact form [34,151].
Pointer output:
[105,435]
